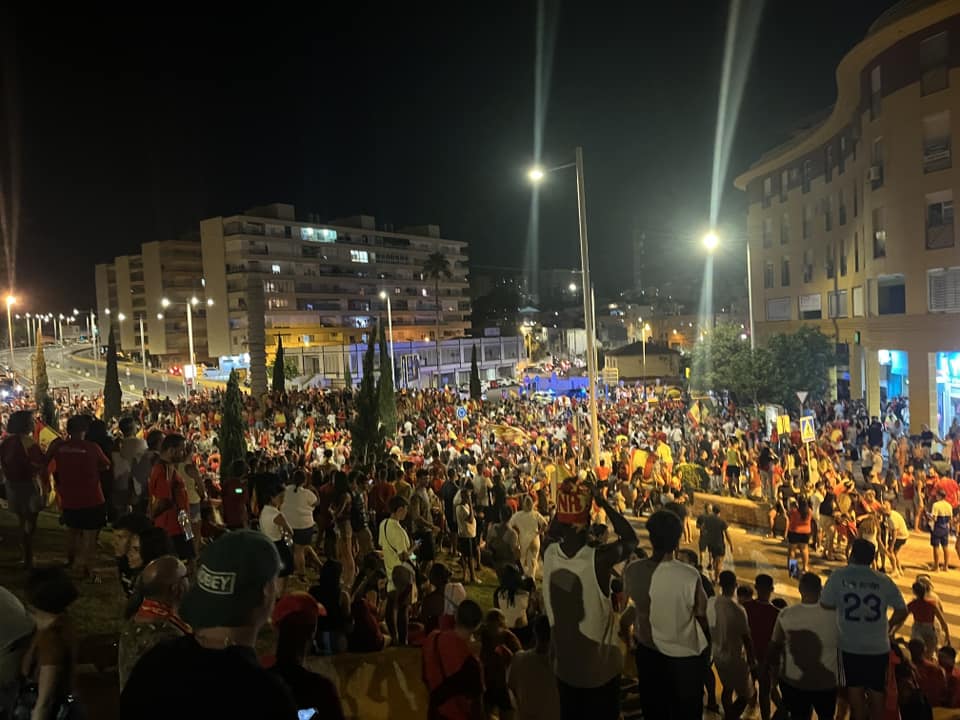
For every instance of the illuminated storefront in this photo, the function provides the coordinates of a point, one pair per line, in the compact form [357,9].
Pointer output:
[948,389]
[894,372]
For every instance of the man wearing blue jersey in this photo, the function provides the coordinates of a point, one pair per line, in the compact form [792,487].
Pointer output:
[861,598]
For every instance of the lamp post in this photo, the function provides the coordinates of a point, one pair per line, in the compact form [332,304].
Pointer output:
[643,343]
[190,304]
[143,354]
[11,300]
[27,317]
[384,295]
[711,241]
[536,175]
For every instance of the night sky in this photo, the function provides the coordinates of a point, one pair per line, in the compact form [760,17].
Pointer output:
[135,127]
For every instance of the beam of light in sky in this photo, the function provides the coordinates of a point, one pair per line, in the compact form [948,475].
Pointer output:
[742,22]
[546,29]
[10,190]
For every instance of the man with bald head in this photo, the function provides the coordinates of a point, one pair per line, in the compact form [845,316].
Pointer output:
[163,581]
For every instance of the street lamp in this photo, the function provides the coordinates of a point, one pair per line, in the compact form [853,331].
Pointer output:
[190,304]
[384,295]
[572,287]
[536,175]
[711,241]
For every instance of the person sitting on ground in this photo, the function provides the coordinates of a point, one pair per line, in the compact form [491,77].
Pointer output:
[232,598]
[295,618]
[51,659]
[367,631]
[947,659]
[440,604]
[451,670]
[126,531]
[146,547]
[530,679]
[163,583]
[333,626]
[930,676]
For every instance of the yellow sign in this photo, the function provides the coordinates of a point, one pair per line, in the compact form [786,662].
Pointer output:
[783,424]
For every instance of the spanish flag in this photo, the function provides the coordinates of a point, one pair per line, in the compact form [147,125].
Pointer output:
[308,446]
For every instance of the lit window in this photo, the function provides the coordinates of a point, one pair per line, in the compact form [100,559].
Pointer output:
[359,256]
[275,269]
[423,291]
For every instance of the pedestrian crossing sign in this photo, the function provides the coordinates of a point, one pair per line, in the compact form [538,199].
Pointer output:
[807,431]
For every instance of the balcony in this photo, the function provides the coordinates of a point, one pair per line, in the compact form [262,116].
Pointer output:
[936,156]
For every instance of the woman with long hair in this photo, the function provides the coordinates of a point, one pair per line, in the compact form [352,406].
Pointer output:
[513,600]
[799,528]
[22,460]
[342,502]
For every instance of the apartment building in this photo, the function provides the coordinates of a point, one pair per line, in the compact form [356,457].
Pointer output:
[134,287]
[313,283]
[851,223]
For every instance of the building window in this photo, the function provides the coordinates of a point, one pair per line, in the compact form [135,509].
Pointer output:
[767,232]
[810,307]
[277,303]
[875,173]
[841,156]
[808,266]
[827,214]
[841,208]
[784,185]
[807,221]
[785,271]
[837,304]
[828,162]
[778,309]
[933,64]
[875,92]
[767,275]
[856,200]
[891,295]
[856,252]
[936,142]
[807,175]
[940,220]
[767,191]
[828,264]
[843,258]
[275,269]
[858,301]
[944,289]
[359,256]
[879,233]
[785,228]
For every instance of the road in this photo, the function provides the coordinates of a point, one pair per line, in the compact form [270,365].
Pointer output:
[64,369]
[755,554]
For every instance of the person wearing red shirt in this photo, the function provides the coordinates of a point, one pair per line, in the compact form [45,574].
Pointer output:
[235,496]
[947,659]
[22,460]
[168,495]
[930,676]
[761,617]
[951,490]
[451,670]
[78,466]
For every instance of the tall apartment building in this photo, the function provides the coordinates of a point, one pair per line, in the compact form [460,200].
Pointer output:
[851,224]
[135,286]
[312,283]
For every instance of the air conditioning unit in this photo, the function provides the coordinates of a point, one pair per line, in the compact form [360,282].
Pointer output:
[936,153]
[875,173]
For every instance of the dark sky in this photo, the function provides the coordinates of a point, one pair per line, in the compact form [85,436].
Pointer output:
[134,127]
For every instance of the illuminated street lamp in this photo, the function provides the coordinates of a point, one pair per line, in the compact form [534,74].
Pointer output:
[384,295]
[711,241]
[193,302]
[536,174]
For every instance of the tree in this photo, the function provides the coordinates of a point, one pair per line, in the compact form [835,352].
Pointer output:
[386,397]
[802,361]
[233,445]
[436,267]
[112,392]
[347,375]
[476,390]
[365,432]
[41,388]
[278,364]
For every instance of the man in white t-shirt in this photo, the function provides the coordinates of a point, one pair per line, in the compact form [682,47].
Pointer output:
[899,534]
[805,637]
[670,625]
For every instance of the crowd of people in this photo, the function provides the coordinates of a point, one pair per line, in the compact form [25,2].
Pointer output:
[341,553]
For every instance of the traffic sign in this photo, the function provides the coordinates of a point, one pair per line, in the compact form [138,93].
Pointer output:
[783,424]
[802,396]
[610,375]
[807,431]
[461,412]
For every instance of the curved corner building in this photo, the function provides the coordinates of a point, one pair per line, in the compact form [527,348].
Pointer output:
[851,223]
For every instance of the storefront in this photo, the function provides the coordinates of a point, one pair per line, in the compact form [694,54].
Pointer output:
[948,389]
[894,374]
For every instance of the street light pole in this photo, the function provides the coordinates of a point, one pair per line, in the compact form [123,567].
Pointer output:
[588,312]
[753,337]
[96,345]
[143,355]
[386,296]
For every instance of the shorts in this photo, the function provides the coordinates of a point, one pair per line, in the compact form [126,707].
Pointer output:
[897,544]
[864,671]
[466,546]
[717,550]
[303,536]
[183,548]
[91,518]
[939,540]
[194,512]
[733,472]
[23,498]
[795,538]
[735,675]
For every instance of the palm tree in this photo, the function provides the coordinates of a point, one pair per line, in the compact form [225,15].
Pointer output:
[436,267]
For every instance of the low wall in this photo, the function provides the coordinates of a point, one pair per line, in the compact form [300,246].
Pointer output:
[745,513]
